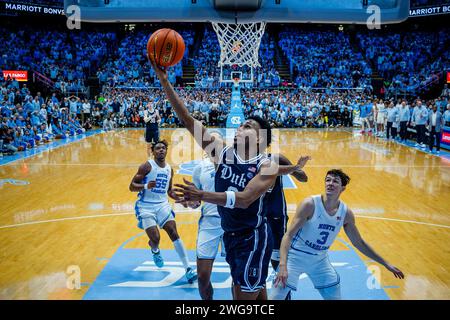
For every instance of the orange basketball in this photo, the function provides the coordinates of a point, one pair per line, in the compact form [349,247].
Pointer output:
[165,47]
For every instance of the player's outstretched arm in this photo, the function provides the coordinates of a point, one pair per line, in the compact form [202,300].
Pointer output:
[298,174]
[355,237]
[136,184]
[243,199]
[195,127]
[303,213]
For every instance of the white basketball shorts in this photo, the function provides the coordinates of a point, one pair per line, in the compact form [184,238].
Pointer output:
[150,215]
[210,235]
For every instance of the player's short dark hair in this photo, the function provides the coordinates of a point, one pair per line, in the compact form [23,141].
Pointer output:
[164,142]
[265,125]
[345,179]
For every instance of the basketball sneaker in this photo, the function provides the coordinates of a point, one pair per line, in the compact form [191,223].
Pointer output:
[191,275]
[158,259]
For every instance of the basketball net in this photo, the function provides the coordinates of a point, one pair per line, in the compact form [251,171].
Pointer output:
[239,43]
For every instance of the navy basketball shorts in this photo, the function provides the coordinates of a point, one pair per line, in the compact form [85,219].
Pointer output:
[278,227]
[151,134]
[248,254]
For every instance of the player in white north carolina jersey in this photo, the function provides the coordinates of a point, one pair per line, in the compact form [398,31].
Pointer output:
[381,117]
[210,232]
[153,181]
[304,248]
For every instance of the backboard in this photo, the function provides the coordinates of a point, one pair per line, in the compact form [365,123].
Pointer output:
[241,11]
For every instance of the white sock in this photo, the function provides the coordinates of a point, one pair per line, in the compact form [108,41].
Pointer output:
[181,251]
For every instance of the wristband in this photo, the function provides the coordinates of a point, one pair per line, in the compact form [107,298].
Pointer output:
[231,199]
[145,186]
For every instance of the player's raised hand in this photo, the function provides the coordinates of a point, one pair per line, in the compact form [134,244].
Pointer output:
[188,191]
[397,273]
[151,184]
[301,162]
[281,278]
[160,72]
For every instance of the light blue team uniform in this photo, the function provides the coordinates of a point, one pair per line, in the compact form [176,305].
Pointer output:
[308,253]
[210,232]
[153,207]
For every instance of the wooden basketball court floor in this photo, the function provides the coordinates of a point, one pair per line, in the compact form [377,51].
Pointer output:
[71,207]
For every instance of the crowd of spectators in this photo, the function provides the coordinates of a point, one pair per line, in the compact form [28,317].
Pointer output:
[128,66]
[30,120]
[65,57]
[408,61]
[27,120]
[125,107]
[321,59]
[299,109]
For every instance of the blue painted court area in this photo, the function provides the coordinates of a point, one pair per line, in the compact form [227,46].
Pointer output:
[46,147]
[131,274]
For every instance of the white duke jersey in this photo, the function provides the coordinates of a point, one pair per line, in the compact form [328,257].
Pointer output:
[319,233]
[161,176]
[203,178]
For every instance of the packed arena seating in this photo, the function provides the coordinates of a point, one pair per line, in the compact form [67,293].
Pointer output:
[28,120]
[66,58]
[324,59]
[129,67]
[406,60]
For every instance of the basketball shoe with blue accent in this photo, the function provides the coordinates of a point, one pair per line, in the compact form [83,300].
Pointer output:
[158,259]
[191,275]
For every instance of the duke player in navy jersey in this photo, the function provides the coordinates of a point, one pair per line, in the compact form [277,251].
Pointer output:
[153,181]
[243,176]
[315,226]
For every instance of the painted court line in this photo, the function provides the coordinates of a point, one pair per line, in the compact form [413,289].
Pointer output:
[194,212]
[406,221]
[65,219]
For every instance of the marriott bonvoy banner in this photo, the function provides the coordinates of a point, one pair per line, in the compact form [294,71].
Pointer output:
[18,75]
[14,7]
